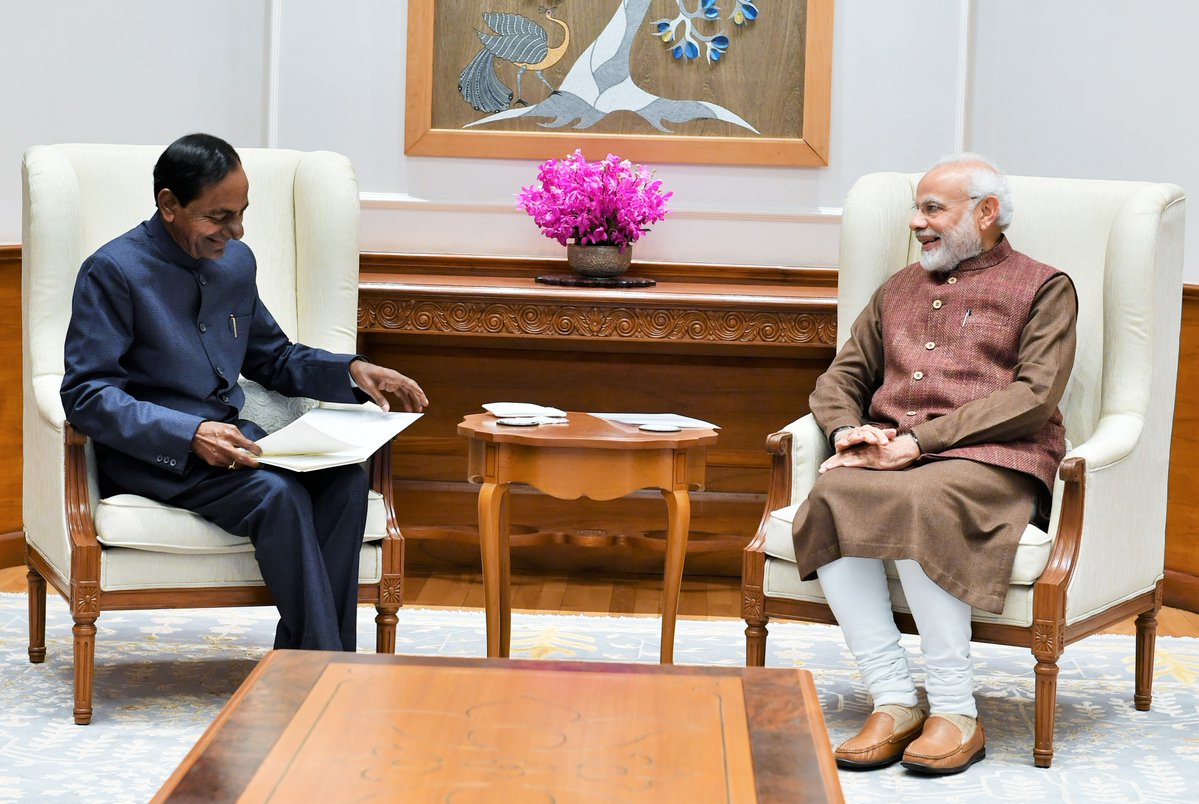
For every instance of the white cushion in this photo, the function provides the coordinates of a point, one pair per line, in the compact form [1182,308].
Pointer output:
[138,523]
[122,569]
[781,580]
[1031,556]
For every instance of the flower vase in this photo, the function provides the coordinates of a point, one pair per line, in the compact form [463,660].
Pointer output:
[598,261]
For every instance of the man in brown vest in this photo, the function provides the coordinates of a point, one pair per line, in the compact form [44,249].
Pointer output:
[942,410]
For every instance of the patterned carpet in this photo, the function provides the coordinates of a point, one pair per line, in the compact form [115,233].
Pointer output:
[161,678]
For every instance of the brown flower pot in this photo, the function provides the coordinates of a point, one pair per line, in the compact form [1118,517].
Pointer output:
[598,261]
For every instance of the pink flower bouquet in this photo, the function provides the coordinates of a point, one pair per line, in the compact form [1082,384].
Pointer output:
[605,203]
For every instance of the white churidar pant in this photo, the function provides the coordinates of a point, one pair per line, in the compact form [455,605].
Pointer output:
[856,591]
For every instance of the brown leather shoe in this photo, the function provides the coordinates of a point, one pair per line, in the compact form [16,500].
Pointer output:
[949,744]
[882,739]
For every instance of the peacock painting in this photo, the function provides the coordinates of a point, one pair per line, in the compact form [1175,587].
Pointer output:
[515,39]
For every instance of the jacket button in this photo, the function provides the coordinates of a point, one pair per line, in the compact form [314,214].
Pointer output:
[203,327]
[910,413]
[930,345]
[937,304]
[918,375]
[224,397]
[952,280]
[203,281]
[219,372]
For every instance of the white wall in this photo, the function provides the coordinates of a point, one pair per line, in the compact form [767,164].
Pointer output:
[1074,88]
[137,71]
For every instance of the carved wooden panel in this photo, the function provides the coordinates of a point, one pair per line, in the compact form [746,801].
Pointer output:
[550,319]
[1046,639]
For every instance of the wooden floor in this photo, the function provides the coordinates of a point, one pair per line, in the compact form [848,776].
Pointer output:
[593,594]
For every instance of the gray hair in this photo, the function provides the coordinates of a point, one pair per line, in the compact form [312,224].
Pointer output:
[985,179]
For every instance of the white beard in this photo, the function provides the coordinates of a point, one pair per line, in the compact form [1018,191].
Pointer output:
[961,242]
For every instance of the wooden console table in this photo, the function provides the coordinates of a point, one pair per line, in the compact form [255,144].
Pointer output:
[734,345]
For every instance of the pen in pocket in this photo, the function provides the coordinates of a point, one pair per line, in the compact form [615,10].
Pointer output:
[233,324]
[966,317]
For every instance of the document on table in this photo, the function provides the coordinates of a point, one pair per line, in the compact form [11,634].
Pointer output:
[667,419]
[506,410]
[326,437]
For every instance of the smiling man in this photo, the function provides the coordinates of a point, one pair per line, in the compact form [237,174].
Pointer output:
[164,320]
[942,412]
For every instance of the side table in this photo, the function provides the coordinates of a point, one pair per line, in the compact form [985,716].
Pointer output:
[587,457]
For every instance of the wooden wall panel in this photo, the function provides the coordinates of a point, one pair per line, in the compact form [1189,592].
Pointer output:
[434,504]
[12,540]
[1182,515]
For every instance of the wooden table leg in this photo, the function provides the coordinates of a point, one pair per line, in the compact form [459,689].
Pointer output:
[493,546]
[505,576]
[678,511]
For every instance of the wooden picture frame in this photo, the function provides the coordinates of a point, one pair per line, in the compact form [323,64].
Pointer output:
[427,84]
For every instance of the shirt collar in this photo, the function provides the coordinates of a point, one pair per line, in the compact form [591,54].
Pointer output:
[167,247]
[998,253]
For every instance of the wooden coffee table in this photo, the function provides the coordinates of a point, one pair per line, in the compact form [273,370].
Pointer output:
[322,726]
[587,457]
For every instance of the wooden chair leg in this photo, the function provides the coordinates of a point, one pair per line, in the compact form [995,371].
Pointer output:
[37,616]
[1146,642]
[385,628]
[1045,707]
[755,641]
[85,662]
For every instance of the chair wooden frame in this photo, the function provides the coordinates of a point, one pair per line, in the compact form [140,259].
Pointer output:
[87,600]
[1047,636]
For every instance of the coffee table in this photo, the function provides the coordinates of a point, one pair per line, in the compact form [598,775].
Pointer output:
[324,726]
[587,457]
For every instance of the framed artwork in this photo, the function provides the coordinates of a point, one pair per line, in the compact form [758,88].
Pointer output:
[739,82]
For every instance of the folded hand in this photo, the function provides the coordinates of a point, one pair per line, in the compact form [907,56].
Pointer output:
[873,450]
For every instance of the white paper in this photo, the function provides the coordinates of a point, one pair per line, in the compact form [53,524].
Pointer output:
[655,418]
[509,410]
[326,437]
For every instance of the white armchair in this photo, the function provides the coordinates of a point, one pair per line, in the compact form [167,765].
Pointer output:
[127,552]
[1102,558]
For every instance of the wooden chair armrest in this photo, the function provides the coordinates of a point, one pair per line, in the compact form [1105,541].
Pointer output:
[380,480]
[1060,566]
[778,492]
[85,549]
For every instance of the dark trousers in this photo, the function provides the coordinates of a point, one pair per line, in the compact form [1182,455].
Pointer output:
[307,529]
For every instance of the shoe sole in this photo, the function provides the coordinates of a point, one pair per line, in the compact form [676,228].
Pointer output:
[854,765]
[916,767]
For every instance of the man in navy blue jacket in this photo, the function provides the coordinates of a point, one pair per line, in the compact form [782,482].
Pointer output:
[164,319]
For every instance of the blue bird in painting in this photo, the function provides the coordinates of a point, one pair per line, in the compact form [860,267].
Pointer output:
[518,40]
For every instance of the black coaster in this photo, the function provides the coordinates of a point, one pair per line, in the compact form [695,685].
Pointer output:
[574,281]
